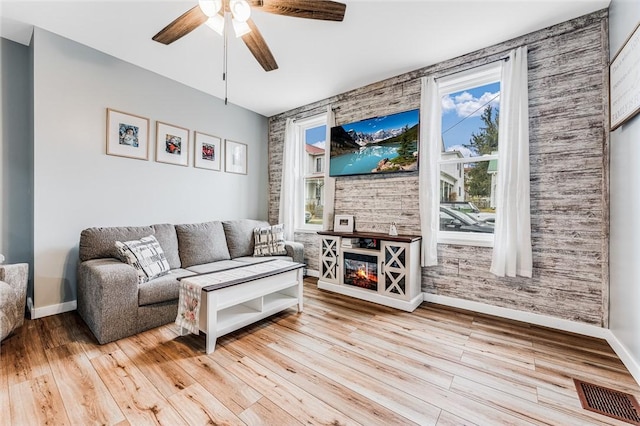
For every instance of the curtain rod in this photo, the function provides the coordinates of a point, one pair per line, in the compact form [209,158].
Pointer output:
[505,59]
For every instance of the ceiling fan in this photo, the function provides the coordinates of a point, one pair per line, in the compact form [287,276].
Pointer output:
[215,12]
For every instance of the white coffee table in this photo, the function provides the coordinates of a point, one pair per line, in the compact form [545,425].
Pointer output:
[234,298]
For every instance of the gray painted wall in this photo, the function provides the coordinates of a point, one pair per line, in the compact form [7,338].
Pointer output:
[16,154]
[625,202]
[78,186]
[568,110]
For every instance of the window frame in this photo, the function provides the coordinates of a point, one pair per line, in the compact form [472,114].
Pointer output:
[307,171]
[468,79]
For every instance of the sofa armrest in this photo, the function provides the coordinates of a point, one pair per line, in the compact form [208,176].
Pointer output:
[295,251]
[108,298]
[15,277]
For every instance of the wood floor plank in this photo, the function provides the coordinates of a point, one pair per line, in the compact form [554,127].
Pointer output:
[235,394]
[570,404]
[362,410]
[448,419]
[518,354]
[36,402]
[381,354]
[163,372]
[265,413]
[136,396]
[86,399]
[296,401]
[199,407]
[341,361]
[23,355]
[515,406]
[406,405]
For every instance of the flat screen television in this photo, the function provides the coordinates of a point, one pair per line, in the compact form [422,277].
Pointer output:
[387,144]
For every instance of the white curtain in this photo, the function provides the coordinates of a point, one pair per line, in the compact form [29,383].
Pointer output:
[290,183]
[512,245]
[429,182]
[329,182]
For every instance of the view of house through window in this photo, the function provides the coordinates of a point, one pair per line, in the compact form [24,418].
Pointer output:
[468,160]
[314,143]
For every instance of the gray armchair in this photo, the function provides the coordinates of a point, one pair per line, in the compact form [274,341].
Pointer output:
[13,297]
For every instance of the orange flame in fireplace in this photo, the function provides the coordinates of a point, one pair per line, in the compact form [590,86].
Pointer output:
[361,273]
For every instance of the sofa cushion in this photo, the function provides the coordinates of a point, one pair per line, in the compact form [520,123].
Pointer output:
[239,234]
[146,256]
[99,243]
[269,241]
[161,289]
[200,243]
[168,239]
[215,266]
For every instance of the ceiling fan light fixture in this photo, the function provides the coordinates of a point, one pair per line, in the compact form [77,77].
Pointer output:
[240,28]
[216,23]
[210,7]
[240,10]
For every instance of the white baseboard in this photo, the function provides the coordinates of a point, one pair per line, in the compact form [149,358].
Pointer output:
[625,356]
[312,273]
[46,311]
[528,317]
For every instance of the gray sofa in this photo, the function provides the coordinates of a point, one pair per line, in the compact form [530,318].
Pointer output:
[114,305]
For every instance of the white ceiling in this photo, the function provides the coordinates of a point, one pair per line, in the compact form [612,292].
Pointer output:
[317,59]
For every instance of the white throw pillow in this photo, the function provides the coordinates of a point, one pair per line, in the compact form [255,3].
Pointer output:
[269,241]
[146,256]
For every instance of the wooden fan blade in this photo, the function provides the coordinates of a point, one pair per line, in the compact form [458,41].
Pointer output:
[310,9]
[258,47]
[181,26]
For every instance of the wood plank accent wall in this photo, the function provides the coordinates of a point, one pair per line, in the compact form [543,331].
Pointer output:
[568,110]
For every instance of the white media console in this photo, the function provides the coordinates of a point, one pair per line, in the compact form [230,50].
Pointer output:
[372,266]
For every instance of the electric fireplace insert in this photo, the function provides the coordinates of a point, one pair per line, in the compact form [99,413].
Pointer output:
[361,270]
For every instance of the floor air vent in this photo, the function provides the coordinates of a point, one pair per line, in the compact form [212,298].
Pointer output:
[608,402]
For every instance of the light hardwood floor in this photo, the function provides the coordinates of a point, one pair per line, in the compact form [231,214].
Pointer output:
[342,361]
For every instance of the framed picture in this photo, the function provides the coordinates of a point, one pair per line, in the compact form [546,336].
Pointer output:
[127,135]
[343,223]
[172,144]
[624,81]
[235,157]
[207,153]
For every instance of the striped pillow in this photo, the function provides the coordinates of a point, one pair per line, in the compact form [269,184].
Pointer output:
[269,241]
[146,256]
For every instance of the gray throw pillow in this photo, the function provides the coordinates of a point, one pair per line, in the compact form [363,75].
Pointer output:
[239,234]
[200,243]
[168,239]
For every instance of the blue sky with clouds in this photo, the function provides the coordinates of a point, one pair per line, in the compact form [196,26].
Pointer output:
[461,114]
[315,135]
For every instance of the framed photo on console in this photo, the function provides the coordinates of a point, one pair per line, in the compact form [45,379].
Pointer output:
[172,144]
[207,153]
[343,223]
[127,135]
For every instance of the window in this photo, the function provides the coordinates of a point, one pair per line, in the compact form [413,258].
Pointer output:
[312,134]
[469,155]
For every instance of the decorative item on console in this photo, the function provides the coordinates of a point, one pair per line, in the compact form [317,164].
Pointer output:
[343,223]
